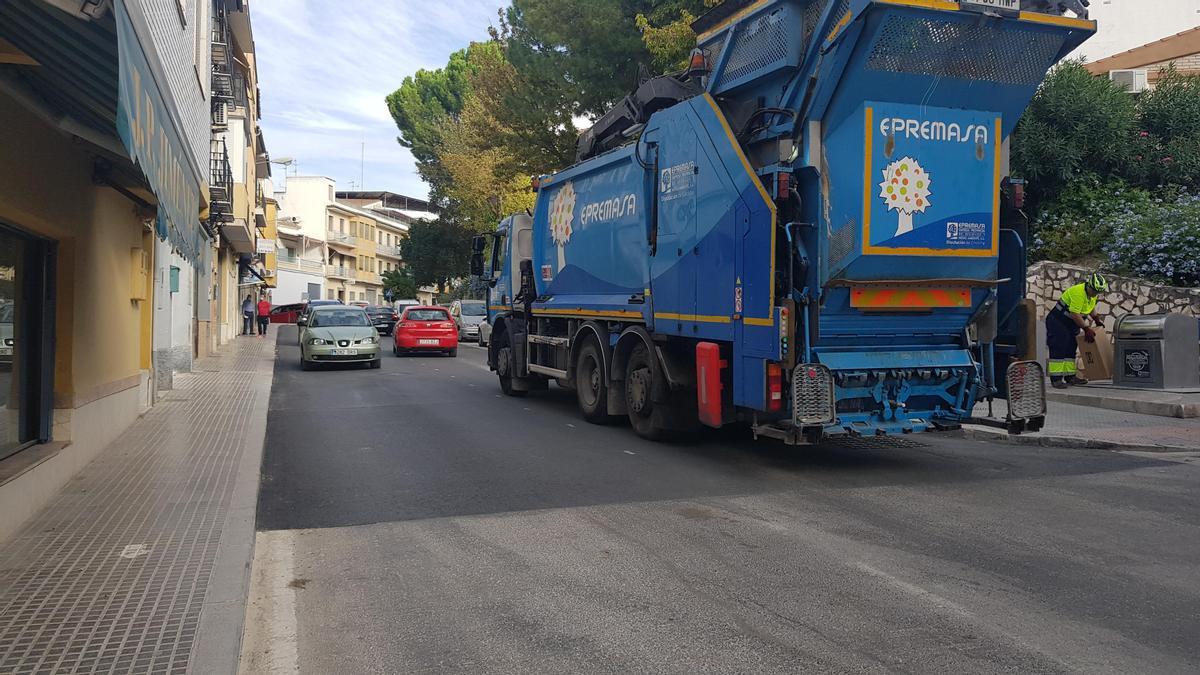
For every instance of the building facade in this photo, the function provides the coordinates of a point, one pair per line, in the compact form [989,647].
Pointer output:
[103,232]
[1145,64]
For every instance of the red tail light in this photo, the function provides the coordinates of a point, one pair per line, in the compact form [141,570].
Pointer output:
[407,324]
[774,387]
[395,316]
[446,324]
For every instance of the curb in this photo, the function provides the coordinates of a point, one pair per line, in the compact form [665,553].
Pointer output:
[218,646]
[1157,408]
[1071,442]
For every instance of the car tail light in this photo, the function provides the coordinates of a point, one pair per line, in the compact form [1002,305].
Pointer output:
[407,324]
[395,316]
[446,324]
[774,387]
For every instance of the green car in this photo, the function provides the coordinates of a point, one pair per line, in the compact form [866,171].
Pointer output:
[338,334]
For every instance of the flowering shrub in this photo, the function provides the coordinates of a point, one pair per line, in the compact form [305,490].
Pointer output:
[1158,240]
[1076,224]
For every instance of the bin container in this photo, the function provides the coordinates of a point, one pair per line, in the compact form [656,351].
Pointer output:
[1157,351]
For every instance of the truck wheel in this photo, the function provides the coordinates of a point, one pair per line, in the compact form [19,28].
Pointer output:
[504,368]
[591,384]
[639,387]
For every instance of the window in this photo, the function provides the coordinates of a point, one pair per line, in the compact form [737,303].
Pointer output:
[426,315]
[341,223]
[26,330]
[331,222]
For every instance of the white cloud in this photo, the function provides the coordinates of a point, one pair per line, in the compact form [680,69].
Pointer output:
[324,69]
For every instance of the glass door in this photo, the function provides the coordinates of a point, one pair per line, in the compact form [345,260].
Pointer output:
[26,340]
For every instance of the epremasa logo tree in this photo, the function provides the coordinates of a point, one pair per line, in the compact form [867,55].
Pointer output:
[905,189]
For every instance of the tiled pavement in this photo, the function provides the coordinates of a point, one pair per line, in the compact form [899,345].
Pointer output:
[113,574]
[1085,423]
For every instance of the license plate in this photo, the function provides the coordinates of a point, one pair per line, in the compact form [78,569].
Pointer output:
[427,342]
[5,351]
[1004,5]
[344,352]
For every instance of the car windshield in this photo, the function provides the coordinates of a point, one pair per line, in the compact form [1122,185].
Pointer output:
[338,317]
[426,315]
[473,309]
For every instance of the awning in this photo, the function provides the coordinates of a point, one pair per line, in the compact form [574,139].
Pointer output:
[145,127]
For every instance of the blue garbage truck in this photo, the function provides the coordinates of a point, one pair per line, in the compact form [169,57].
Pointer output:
[810,230]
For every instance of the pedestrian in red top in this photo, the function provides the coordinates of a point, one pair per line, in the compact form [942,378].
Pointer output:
[264,315]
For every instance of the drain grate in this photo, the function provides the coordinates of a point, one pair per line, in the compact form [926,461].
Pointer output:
[874,442]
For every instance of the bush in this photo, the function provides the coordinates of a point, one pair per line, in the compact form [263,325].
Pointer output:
[1158,240]
[1166,148]
[1076,123]
[1075,225]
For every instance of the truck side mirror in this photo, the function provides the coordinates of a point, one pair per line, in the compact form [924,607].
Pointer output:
[478,243]
[477,261]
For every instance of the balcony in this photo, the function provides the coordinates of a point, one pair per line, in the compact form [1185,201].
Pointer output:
[291,264]
[335,272]
[220,187]
[370,278]
[222,74]
[390,251]
[335,238]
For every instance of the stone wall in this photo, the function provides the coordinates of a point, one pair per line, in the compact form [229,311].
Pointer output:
[1047,280]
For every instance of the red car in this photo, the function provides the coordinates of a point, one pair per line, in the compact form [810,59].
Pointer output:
[425,329]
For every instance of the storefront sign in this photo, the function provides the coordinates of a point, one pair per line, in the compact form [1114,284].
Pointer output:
[154,144]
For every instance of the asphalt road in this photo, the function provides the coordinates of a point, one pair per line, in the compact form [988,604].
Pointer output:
[413,520]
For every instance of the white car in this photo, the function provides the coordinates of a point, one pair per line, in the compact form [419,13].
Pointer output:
[485,333]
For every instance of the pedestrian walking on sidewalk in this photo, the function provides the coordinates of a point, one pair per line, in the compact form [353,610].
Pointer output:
[1068,318]
[264,315]
[247,316]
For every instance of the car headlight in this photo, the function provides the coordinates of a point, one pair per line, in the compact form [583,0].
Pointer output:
[319,341]
[8,342]
[369,340]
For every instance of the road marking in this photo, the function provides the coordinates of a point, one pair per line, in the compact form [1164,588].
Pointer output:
[570,425]
[630,452]
[270,643]
[916,591]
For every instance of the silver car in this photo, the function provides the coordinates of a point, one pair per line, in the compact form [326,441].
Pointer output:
[468,315]
[338,334]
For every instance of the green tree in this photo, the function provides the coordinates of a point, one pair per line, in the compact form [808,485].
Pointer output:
[437,251]
[420,108]
[400,282]
[667,32]
[1166,149]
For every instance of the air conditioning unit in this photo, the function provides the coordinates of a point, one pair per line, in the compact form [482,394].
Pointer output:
[1134,81]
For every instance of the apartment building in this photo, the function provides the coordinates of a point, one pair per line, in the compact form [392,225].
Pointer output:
[239,164]
[104,148]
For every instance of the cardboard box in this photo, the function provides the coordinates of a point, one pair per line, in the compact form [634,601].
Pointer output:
[1095,358]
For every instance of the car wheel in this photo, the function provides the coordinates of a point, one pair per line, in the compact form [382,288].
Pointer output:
[591,384]
[377,363]
[452,353]
[395,349]
[305,365]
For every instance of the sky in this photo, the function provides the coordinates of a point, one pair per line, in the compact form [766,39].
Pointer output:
[325,67]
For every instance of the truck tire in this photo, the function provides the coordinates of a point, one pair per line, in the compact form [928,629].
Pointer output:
[591,384]
[504,367]
[639,387]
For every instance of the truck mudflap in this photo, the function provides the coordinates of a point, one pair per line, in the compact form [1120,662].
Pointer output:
[1026,382]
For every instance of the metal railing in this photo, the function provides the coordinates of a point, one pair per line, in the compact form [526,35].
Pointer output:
[393,251]
[335,237]
[340,272]
[220,186]
[294,264]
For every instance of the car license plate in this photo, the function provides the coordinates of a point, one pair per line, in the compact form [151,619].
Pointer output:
[1005,5]
[344,352]
[427,342]
[5,351]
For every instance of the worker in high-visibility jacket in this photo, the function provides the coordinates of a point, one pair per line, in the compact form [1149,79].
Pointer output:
[1068,318]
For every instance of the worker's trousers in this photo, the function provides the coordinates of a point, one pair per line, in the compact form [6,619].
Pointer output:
[1060,339]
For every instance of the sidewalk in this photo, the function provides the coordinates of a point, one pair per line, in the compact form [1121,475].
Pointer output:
[141,563]
[1086,426]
